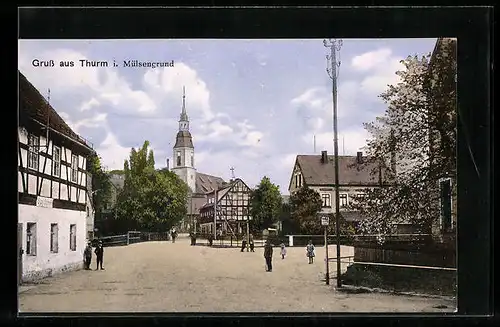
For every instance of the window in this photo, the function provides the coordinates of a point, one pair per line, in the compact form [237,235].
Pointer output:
[31,238]
[445,190]
[192,160]
[325,197]
[298,180]
[56,171]
[72,237]
[33,147]
[178,158]
[54,238]
[343,200]
[74,168]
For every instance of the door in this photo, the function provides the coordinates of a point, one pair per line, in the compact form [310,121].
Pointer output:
[20,253]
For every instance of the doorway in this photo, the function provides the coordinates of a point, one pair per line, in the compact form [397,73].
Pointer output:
[20,253]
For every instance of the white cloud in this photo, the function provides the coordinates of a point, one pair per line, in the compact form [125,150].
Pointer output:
[112,153]
[87,105]
[381,67]
[170,80]
[370,60]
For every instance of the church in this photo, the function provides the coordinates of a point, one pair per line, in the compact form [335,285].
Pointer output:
[184,166]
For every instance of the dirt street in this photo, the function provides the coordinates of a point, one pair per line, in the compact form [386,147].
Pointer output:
[166,277]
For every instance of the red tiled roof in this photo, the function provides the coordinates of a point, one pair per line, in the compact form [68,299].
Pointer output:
[33,105]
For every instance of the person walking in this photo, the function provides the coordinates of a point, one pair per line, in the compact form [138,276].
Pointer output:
[87,255]
[99,252]
[252,246]
[283,251]
[268,255]
[310,251]
[243,244]
[173,234]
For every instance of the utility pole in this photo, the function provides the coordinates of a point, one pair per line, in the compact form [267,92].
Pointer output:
[332,69]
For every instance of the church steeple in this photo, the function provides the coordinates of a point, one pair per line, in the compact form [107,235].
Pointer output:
[184,120]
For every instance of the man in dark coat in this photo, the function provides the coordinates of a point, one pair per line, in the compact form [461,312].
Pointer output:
[87,254]
[268,255]
[99,252]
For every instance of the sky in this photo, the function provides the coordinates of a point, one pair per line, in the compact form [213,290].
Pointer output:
[252,104]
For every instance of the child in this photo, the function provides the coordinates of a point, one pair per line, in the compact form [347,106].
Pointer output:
[310,252]
[283,251]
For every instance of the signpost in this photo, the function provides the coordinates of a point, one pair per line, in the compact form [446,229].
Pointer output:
[325,221]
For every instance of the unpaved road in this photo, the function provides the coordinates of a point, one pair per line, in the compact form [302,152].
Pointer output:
[166,277]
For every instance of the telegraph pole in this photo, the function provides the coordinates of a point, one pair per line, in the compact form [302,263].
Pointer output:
[332,69]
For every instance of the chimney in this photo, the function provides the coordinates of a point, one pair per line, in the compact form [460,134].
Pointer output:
[359,157]
[324,157]
[168,164]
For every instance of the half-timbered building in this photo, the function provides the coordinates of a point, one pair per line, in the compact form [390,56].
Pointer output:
[227,209]
[52,188]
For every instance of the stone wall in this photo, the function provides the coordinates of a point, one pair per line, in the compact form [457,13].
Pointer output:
[402,279]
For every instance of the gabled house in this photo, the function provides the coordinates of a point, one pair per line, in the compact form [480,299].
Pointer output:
[355,175]
[52,188]
[227,209]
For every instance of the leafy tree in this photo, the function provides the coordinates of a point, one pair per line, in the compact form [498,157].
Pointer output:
[266,203]
[101,186]
[422,104]
[151,199]
[305,205]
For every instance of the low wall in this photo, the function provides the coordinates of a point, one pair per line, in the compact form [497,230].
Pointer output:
[402,279]
[407,253]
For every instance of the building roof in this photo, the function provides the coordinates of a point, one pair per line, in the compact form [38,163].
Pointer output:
[195,203]
[32,105]
[207,183]
[314,172]
[183,139]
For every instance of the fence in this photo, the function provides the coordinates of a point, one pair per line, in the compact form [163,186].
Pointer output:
[133,237]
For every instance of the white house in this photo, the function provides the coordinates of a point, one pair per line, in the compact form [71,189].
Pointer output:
[52,189]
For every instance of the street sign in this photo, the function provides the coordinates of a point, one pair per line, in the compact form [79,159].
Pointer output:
[325,221]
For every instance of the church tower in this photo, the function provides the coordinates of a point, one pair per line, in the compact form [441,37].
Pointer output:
[183,163]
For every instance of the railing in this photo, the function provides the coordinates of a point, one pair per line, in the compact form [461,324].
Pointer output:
[133,237]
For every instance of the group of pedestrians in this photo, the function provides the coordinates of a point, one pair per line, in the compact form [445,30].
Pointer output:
[268,253]
[251,243]
[87,255]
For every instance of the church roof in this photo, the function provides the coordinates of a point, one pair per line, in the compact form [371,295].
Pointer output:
[207,183]
[183,139]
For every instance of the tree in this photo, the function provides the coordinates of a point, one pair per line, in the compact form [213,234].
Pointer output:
[151,199]
[266,203]
[305,205]
[418,107]
[101,185]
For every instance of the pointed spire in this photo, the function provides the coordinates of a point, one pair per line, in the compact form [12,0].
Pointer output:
[184,116]
[183,99]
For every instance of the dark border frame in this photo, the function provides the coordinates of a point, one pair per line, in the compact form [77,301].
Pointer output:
[471,25]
